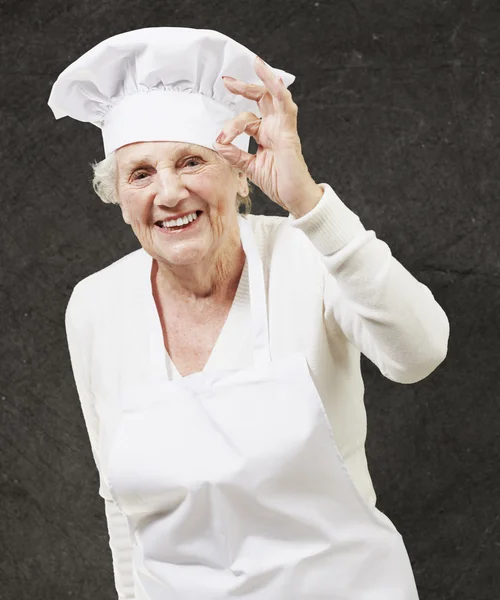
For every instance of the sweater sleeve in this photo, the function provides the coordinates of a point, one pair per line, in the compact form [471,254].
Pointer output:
[77,333]
[121,551]
[385,312]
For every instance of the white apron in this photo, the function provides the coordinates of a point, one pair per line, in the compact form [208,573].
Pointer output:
[233,486]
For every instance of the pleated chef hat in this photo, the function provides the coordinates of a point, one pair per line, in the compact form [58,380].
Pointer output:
[158,84]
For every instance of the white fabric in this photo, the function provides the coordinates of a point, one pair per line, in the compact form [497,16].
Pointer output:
[257,503]
[159,83]
[332,288]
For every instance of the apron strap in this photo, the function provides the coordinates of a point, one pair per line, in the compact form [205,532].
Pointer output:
[257,291]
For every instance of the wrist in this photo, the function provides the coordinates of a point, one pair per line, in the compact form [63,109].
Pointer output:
[311,199]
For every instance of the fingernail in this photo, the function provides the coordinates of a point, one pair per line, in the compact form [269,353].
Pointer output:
[220,137]
[230,78]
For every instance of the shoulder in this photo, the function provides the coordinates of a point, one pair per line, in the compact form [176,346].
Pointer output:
[265,227]
[276,236]
[105,287]
[292,264]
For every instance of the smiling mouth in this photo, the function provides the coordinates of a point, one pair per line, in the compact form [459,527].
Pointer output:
[166,229]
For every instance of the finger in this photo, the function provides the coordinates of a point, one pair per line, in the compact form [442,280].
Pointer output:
[246,122]
[249,90]
[282,97]
[236,157]
[258,93]
[269,79]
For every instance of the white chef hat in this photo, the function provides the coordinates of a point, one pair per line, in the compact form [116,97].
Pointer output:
[158,84]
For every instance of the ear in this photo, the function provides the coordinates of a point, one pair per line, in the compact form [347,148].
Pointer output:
[242,184]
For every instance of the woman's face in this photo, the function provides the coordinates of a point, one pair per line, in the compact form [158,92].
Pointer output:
[157,181]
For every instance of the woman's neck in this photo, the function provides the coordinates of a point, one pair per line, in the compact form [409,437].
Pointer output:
[214,280]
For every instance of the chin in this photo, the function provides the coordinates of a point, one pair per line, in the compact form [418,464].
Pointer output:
[183,256]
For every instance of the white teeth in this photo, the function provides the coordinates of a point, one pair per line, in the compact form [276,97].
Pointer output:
[184,221]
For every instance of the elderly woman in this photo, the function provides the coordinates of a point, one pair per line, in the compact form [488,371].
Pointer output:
[218,366]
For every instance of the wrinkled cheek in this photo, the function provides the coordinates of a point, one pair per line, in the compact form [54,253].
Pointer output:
[137,204]
[213,223]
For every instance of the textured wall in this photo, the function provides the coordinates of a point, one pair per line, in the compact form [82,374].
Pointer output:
[398,111]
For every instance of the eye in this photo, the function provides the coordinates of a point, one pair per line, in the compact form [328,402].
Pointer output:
[139,174]
[193,161]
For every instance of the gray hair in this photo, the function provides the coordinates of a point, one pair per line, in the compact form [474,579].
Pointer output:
[104,184]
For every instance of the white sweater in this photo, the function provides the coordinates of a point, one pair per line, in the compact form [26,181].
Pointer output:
[333,290]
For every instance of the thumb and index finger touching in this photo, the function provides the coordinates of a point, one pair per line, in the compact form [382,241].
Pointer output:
[272,97]
[244,123]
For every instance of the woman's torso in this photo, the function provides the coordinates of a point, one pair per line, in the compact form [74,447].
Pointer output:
[122,352]
[255,506]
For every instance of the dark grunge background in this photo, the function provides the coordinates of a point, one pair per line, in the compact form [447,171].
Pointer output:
[398,111]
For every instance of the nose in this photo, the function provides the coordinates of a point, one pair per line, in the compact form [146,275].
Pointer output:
[170,189]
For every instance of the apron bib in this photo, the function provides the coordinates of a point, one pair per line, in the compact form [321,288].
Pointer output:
[233,486]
